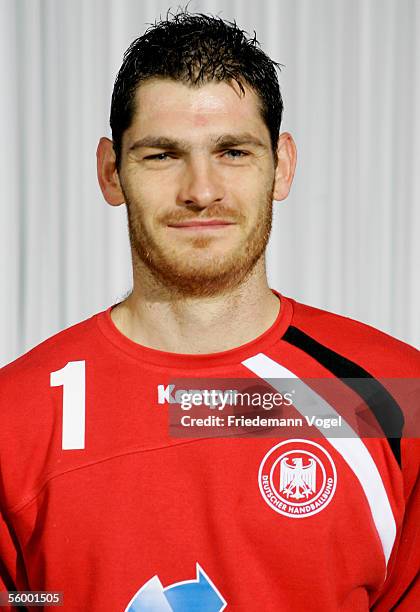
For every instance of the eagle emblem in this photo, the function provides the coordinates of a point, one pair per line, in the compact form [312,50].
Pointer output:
[297,481]
[297,478]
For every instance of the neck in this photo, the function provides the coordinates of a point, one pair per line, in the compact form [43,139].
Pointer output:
[157,318]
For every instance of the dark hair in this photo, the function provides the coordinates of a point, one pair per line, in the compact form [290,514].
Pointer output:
[195,49]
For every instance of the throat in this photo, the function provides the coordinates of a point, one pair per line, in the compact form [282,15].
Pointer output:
[195,328]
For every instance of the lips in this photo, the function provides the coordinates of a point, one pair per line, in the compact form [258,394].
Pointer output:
[197,223]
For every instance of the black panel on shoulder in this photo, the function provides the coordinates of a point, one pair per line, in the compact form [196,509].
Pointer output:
[386,410]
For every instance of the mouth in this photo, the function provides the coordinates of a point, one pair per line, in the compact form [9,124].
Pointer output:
[197,225]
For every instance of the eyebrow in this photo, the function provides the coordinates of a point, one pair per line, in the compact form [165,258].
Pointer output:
[225,141]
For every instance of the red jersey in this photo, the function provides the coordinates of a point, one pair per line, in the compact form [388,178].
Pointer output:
[99,501]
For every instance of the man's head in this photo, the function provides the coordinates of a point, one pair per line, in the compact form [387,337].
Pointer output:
[195,119]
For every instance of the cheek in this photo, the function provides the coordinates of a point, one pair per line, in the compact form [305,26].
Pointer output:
[142,201]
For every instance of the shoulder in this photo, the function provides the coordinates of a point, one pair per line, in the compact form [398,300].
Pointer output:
[66,345]
[31,415]
[381,353]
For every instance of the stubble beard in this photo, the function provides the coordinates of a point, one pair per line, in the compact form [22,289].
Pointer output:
[191,271]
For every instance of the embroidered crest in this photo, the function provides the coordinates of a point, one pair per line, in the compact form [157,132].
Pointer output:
[297,478]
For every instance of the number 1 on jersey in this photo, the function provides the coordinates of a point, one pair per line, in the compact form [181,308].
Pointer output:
[72,379]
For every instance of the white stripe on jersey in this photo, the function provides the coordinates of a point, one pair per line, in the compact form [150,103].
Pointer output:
[351,448]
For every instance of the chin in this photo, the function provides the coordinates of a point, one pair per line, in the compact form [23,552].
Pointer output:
[207,280]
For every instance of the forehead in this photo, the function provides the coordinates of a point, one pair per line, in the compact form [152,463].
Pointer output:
[166,103]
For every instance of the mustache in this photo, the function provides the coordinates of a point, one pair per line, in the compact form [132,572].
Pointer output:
[220,212]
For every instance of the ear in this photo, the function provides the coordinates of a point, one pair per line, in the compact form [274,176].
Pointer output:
[286,164]
[108,178]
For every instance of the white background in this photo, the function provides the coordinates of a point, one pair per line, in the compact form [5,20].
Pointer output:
[346,239]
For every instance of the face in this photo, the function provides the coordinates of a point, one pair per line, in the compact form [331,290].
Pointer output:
[191,157]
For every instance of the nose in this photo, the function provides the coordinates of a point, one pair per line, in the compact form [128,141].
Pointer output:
[201,185]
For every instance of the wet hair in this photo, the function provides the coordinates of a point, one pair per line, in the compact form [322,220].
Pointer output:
[195,49]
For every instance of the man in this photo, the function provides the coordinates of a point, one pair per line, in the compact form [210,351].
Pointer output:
[99,499]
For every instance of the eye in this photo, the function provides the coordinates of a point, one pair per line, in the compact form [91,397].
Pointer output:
[240,153]
[158,156]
